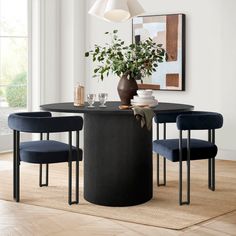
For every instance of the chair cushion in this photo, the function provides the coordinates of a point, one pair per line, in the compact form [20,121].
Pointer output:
[200,149]
[46,151]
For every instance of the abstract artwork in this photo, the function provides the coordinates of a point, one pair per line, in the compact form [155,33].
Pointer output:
[168,30]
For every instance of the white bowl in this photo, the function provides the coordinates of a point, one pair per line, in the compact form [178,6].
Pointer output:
[145,93]
[150,103]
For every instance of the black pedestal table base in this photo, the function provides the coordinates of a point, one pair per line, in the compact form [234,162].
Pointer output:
[118,160]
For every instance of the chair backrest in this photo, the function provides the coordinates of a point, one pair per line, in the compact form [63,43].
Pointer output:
[161,118]
[199,120]
[43,122]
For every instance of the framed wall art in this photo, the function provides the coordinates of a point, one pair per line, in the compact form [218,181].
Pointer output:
[168,30]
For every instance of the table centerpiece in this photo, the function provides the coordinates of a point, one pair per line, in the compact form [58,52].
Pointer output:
[130,62]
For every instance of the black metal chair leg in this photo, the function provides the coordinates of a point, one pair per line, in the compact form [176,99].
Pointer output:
[14,165]
[209,174]
[17,165]
[41,168]
[70,175]
[77,182]
[180,184]
[158,171]
[213,174]
[164,171]
[14,179]
[180,169]
[17,199]
[158,159]
[211,163]
[188,167]
[41,175]
[70,184]
[70,170]
[181,202]
[77,167]
[164,159]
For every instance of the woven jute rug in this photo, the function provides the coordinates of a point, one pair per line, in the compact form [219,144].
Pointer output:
[162,211]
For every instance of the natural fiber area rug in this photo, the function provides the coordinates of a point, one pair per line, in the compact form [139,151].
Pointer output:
[162,211]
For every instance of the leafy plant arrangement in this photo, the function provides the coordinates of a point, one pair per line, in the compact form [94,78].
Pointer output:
[136,60]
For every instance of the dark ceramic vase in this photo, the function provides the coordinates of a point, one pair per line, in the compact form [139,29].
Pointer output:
[127,88]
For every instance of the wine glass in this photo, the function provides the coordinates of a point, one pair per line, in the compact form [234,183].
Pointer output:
[102,99]
[91,99]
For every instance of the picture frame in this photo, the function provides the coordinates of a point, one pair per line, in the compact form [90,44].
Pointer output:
[168,30]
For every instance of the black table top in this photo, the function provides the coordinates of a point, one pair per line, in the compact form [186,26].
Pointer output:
[112,107]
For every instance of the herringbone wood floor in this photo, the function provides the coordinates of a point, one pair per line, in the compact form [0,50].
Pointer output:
[21,219]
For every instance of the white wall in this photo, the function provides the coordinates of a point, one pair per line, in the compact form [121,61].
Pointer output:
[210,59]
[62,43]
[72,46]
[227,77]
[49,51]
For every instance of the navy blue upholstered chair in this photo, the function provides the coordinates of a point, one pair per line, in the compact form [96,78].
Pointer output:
[45,151]
[179,150]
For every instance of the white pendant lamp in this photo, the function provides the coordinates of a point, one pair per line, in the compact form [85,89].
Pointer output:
[116,10]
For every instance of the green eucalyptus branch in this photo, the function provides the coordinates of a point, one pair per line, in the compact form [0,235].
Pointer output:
[134,60]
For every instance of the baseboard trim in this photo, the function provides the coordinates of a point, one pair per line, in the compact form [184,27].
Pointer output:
[6,152]
[226,154]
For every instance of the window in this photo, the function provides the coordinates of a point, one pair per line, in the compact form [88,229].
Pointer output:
[13,59]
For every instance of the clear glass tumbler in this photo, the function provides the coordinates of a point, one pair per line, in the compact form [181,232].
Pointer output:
[102,99]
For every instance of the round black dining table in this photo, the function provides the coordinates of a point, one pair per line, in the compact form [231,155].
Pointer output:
[117,152]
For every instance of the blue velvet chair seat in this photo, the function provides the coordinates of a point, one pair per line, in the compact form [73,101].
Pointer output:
[200,149]
[47,151]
